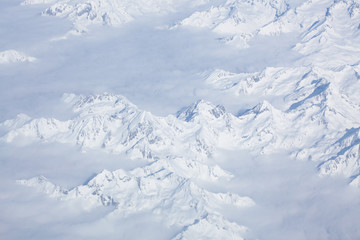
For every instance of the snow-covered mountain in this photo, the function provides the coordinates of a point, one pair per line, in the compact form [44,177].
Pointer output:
[318,107]
[112,123]
[344,156]
[317,96]
[320,24]
[177,148]
[332,33]
[103,121]
[13,56]
[237,21]
[307,109]
[111,12]
[159,189]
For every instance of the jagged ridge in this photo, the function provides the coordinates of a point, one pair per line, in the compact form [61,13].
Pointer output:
[157,188]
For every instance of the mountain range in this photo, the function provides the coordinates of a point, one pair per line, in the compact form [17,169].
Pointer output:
[308,109]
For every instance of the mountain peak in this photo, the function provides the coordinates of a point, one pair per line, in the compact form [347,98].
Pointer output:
[97,102]
[201,110]
[238,21]
[260,108]
[83,13]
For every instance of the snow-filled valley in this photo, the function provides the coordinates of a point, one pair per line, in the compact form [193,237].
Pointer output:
[162,119]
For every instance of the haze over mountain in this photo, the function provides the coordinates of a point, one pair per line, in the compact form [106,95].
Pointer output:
[163,119]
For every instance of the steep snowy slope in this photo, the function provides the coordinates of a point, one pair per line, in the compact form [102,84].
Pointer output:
[321,99]
[112,123]
[177,148]
[318,94]
[103,121]
[344,156]
[149,187]
[238,21]
[112,12]
[300,111]
[154,189]
[323,25]
[166,188]
[318,106]
[334,34]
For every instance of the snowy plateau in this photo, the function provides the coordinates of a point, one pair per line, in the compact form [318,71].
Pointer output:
[164,119]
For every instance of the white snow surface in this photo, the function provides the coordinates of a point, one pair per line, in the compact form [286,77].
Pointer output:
[157,188]
[112,123]
[13,56]
[304,110]
[165,186]
[110,12]
[326,100]
[321,23]
[238,21]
